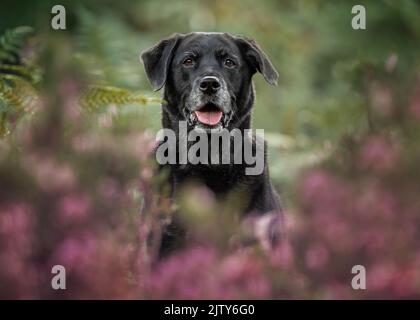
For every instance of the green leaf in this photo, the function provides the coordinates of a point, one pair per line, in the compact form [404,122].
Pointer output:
[101,96]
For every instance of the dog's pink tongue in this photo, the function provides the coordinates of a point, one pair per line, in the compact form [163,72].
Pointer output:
[210,118]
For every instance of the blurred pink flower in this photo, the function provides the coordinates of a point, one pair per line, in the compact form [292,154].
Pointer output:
[16,225]
[97,266]
[282,256]
[316,257]
[50,175]
[109,189]
[381,100]
[69,89]
[74,207]
[415,104]
[315,183]
[199,273]
[18,277]
[76,253]
[379,154]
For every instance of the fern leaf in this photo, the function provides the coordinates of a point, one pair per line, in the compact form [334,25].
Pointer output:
[16,91]
[21,71]
[100,96]
[11,44]
[4,131]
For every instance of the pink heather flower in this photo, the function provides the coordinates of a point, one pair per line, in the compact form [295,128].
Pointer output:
[405,282]
[74,207]
[17,274]
[340,291]
[182,276]
[199,273]
[70,90]
[316,182]
[16,225]
[97,266]
[325,197]
[86,143]
[381,100]
[50,175]
[380,276]
[109,189]
[142,144]
[282,256]
[379,154]
[415,105]
[316,257]
[243,275]
[376,204]
[76,253]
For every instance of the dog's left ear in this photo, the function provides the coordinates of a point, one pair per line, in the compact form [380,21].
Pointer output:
[258,59]
[157,59]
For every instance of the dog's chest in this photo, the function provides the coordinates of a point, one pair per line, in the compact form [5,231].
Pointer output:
[220,179]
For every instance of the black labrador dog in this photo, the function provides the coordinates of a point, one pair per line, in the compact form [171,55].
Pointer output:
[207,80]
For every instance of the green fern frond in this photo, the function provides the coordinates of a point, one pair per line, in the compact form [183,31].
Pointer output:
[100,96]
[28,74]
[16,91]
[16,78]
[3,125]
[16,99]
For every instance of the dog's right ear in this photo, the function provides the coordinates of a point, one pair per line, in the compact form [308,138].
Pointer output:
[156,60]
[258,59]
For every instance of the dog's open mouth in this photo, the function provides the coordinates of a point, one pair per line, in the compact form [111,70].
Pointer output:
[209,115]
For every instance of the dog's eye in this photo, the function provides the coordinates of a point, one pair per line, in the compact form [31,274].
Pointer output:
[229,63]
[188,62]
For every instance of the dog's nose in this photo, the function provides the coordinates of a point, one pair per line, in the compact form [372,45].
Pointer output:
[209,84]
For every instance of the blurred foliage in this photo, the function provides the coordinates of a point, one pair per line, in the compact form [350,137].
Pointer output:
[324,64]
[17,77]
[99,96]
[347,104]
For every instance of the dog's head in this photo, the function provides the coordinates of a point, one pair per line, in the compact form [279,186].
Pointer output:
[207,76]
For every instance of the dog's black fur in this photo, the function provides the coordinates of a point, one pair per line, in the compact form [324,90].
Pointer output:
[180,63]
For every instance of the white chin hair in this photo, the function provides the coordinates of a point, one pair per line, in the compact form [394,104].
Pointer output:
[202,127]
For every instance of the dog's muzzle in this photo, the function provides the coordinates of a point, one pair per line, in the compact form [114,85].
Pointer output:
[209,104]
